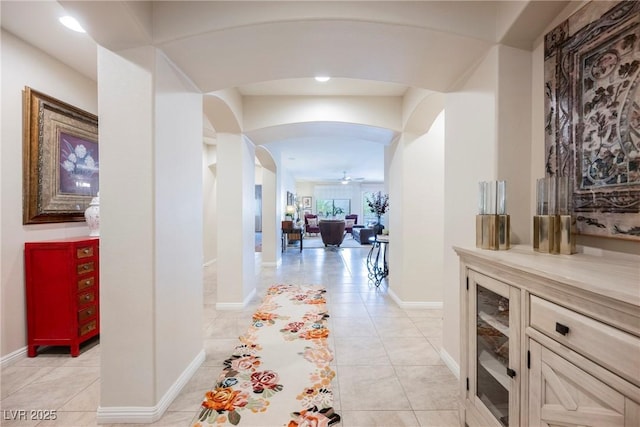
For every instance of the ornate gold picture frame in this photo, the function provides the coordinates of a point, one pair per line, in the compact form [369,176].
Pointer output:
[60,159]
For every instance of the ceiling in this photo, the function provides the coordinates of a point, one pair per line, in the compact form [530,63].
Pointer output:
[378,48]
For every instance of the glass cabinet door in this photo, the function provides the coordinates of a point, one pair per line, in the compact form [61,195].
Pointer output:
[492,353]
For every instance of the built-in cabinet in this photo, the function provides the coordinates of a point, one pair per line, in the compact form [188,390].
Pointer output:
[549,340]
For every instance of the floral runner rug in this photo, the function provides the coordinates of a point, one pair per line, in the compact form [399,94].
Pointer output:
[279,375]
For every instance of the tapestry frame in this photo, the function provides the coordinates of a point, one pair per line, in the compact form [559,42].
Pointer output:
[592,115]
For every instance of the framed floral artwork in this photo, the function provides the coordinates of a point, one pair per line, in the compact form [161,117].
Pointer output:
[306,202]
[60,159]
[592,107]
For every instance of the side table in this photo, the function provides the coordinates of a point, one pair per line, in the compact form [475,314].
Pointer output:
[377,259]
[297,232]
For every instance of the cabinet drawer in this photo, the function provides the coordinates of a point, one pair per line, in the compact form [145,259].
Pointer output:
[608,346]
[86,267]
[87,327]
[86,313]
[84,252]
[86,298]
[86,282]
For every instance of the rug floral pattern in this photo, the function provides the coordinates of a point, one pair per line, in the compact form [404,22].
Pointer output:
[279,375]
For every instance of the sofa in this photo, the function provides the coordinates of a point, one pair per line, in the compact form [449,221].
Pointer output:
[362,234]
[332,231]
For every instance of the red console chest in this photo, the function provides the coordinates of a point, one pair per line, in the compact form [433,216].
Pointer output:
[62,290]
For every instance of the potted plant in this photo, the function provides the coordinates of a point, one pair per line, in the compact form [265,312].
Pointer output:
[378,203]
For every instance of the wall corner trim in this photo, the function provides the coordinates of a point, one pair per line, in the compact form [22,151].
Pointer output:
[149,414]
[451,364]
[236,305]
[415,304]
[13,357]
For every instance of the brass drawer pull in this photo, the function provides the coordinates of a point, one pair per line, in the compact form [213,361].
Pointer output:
[86,267]
[84,252]
[85,283]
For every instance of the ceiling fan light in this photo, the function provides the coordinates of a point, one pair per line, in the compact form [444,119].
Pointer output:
[322,79]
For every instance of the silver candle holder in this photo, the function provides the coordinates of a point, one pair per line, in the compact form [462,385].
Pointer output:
[493,226]
[554,228]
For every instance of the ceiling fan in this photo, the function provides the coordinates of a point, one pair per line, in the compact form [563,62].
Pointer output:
[347,179]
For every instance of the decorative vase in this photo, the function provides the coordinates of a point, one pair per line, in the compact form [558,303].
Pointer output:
[378,227]
[92,216]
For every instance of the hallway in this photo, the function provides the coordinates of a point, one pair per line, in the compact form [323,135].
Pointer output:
[388,369]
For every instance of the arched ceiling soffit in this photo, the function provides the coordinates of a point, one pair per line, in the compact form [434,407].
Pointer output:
[331,148]
[321,134]
[425,44]
[412,56]
[220,115]
[221,45]
[421,117]
[265,158]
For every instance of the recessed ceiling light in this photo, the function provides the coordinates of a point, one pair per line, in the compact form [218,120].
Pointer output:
[71,23]
[322,79]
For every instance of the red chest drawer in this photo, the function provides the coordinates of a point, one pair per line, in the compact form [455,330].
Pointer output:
[62,289]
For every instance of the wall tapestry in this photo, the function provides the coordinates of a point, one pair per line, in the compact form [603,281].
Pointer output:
[60,160]
[592,107]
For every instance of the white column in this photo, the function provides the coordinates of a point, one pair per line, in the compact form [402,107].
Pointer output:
[151,233]
[417,218]
[236,229]
[271,253]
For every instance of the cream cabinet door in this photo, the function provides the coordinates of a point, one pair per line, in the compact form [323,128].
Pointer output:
[561,394]
[494,350]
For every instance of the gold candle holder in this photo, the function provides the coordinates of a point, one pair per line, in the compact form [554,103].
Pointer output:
[554,234]
[565,235]
[546,233]
[493,232]
[504,232]
[536,233]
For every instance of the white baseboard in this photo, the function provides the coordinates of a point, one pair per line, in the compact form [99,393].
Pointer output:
[451,364]
[13,357]
[149,414]
[415,304]
[236,305]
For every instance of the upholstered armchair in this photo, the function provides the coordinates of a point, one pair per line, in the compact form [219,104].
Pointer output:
[332,231]
[311,223]
[350,220]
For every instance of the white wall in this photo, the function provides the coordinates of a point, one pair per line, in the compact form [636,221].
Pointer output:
[470,156]
[423,216]
[151,242]
[23,65]
[209,191]
[236,229]
[178,224]
[514,137]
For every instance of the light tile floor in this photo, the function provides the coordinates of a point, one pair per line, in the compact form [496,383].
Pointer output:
[389,372]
